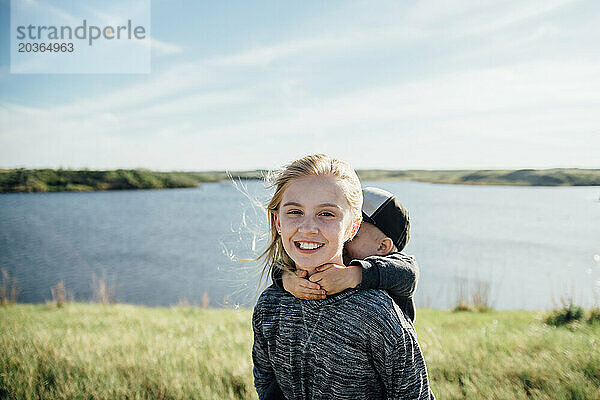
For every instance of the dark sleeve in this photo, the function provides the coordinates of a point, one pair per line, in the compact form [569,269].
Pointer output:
[277,277]
[273,392]
[399,363]
[264,376]
[397,273]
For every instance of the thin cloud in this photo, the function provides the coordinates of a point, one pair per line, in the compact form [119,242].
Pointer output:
[190,75]
[176,80]
[119,17]
[240,103]
[160,47]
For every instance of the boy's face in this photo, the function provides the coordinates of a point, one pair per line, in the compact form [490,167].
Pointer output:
[365,243]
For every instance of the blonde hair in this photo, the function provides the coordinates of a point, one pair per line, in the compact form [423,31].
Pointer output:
[275,255]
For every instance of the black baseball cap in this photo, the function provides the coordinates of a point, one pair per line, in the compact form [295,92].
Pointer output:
[382,209]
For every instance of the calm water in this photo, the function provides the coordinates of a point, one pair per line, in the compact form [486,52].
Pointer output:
[532,245]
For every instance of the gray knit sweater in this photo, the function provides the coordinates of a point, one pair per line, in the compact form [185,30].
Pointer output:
[353,345]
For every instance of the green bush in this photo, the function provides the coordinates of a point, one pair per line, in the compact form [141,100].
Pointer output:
[594,317]
[565,315]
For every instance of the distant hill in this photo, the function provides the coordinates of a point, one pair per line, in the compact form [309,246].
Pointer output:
[49,180]
[521,177]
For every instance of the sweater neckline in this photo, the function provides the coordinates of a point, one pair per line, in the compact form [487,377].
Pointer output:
[329,300]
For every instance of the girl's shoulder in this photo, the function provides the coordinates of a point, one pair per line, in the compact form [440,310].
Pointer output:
[272,295]
[379,307]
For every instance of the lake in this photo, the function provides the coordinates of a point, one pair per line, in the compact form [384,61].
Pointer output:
[533,246]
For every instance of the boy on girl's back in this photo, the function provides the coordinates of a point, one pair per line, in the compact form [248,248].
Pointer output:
[373,258]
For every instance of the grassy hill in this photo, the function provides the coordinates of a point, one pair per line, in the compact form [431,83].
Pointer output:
[49,180]
[522,177]
[92,351]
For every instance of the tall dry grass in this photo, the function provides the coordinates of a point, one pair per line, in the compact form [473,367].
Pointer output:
[103,292]
[60,294]
[9,288]
[472,295]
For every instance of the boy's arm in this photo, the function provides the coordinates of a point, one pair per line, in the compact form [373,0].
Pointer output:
[297,284]
[397,273]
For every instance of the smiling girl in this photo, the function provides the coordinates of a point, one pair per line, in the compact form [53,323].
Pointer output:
[351,345]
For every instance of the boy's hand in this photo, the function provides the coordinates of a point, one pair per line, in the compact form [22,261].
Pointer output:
[300,287]
[335,278]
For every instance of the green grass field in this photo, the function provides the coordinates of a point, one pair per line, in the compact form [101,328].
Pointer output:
[92,351]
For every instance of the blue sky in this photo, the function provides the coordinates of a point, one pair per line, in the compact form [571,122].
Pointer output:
[383,84]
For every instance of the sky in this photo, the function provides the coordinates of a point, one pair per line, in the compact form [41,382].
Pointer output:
[238,85]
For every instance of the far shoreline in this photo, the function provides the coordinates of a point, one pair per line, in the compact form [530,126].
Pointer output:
[59,180]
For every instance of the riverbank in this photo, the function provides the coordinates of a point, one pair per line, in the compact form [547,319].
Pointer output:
[49,180]
[125,351]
